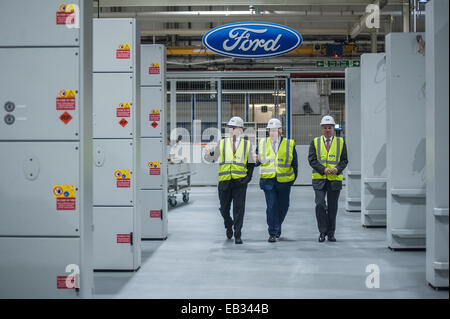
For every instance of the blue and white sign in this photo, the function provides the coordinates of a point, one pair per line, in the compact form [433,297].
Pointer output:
[252,40]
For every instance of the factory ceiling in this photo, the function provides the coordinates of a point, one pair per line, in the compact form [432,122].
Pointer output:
[180,25]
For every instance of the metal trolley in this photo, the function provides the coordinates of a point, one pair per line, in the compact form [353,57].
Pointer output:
[179,182]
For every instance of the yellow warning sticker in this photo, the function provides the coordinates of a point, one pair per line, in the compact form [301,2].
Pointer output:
[124,105]
[66,93]
[154,65]
[153,164]
[63,7]
[155,112]
[124,46]
[122,174]
[64,191]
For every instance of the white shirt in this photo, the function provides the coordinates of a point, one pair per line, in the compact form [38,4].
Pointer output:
[236,144]
[275,145]
[325,140]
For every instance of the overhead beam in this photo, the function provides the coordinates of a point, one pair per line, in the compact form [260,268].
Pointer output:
[302,50]
[197,32]
[182,3]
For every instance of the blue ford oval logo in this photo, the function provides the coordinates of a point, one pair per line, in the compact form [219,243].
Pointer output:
[252,40]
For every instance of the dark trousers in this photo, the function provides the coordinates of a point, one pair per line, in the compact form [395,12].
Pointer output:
[277,201]
[233,192]
[326,211]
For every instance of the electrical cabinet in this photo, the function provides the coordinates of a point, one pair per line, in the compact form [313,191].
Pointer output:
[34,170]
[114,176]
[46,149]
[116,145]
[153,135]
[153,66]
[41,86]
[115,49]
[114,239]
[405,91]
[437,136]
[154,213]
[353,138]
[114,108]
[36,267]
[152,101]
[373,139]
[41,23]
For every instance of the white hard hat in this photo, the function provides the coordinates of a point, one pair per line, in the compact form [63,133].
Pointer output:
[236,121]
[274,123]
[327,120]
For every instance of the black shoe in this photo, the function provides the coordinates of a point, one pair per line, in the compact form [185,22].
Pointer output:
[321,238]
[229,233]
[278,235]
[331,238]
[272,239]
[238,241]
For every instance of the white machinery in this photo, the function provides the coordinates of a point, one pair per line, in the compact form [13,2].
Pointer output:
[353,138]
[405,91]
[153,160]
[117,231]
[373,146]
[46,149]
[436,65]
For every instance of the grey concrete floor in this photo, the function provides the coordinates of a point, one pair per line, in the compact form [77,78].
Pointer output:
[197,261]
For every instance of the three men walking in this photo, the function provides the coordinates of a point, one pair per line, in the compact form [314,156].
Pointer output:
[277,157]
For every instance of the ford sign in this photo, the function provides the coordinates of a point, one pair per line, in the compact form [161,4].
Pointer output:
[252,40]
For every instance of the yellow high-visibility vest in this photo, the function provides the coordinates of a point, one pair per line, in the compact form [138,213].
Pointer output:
[277,165]
[328,159]
[233,166]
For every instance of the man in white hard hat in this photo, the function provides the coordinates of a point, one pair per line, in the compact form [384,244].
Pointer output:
[278,160]
[328,158]
[235,172]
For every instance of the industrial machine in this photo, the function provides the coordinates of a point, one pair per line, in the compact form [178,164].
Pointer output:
[373,147]
[153,160]
[46,149]
[116,170]
[405,91]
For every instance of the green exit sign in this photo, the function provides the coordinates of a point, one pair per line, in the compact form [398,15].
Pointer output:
[341,64]
[332,63]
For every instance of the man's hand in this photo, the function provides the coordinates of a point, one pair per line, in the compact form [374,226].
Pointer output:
[327,171]
[207,150]
[256,158]
[334,171]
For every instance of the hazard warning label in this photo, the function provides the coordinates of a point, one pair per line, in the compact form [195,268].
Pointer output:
[154,124]
[122,177]
[65,197]
[65,282]
[155,115]
[65,118]
[123,52]
[155,214]
[155,167]
[65,100]
[154,68]
[123,110]
[66,14]
[123,122]
[123,238]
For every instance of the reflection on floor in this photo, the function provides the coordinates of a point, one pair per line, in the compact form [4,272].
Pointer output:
[197,261]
